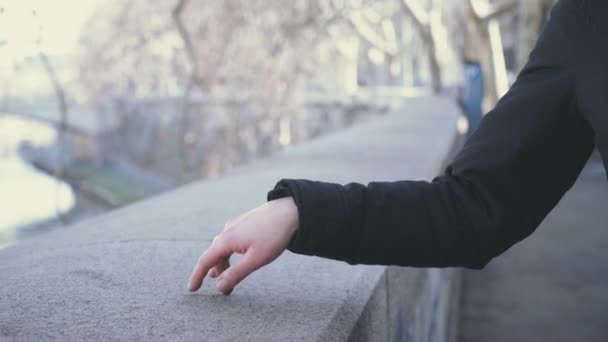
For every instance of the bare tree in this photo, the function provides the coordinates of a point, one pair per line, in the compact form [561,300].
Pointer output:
[238,71]
[256,53]
[483,43]
[62,127]
[533,14]
[425,27]
[193,81]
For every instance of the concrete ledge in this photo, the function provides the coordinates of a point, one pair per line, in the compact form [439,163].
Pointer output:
[123,276]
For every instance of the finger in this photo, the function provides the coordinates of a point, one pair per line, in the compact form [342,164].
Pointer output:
[237,272]
[211,257]
[218,269]
[214,272]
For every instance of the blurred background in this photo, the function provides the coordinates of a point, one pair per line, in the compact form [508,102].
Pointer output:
[107,102]
[103,103]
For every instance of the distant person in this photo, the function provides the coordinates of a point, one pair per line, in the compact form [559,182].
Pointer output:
[526,153]
[472,95]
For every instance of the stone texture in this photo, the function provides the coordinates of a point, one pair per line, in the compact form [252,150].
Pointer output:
[123,276]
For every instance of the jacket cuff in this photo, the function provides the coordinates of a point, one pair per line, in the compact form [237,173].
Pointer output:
[321,218]
[285,188]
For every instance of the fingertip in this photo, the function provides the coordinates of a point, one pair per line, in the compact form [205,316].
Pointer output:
[224,287]
[196,281]
[192,287]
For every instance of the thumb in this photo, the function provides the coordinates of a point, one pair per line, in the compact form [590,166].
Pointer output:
[232,276]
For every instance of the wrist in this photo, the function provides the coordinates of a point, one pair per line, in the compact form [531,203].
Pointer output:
[289,213]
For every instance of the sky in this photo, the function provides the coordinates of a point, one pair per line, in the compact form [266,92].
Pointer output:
[57,24]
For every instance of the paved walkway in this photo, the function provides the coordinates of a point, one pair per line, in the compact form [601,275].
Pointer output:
[554,285]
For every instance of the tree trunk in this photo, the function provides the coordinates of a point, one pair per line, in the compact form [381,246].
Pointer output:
[63,122]
[533,14]
[423,26]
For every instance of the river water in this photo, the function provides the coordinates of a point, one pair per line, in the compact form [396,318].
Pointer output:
[27,195]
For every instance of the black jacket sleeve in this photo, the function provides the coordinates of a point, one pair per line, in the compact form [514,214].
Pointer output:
[511,172]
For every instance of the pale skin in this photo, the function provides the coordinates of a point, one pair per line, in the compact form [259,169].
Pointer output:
[261,235]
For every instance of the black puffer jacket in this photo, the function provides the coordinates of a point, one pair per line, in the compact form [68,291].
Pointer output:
[512,171]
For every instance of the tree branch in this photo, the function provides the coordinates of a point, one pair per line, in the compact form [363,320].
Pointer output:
[422,22]
[63,121]
[415,10]
[185,36]
[59,92]
[485,11]
[369,34]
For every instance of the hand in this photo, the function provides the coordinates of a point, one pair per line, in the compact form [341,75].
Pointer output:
[261,234]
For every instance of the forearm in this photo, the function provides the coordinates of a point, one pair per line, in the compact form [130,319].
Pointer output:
[409,223]
[514,169]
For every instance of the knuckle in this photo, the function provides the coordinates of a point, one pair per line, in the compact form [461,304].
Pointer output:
[233,276]
[226,236]
[219,240]
[221,243]
[228,223]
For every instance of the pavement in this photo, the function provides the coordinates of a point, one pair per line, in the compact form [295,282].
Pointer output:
[553,286]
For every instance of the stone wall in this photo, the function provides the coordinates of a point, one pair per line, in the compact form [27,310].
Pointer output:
[122,276]
[216,135]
